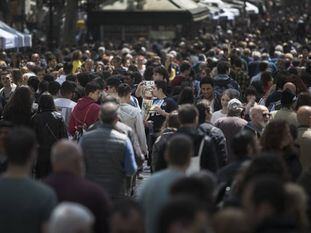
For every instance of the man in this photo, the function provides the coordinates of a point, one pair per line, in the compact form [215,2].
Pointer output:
[204,148]
[109,155]
[232,123]
[25,204]
[8,86]
[304,136]
[223,81]
[71,218]
[207,91]
[85,113]
[67,182]
[67,69]
[64,104]
[260,117]
[132,116]
[184,75]
[155,191]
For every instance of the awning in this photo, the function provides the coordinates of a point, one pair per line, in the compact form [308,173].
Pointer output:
[11,38]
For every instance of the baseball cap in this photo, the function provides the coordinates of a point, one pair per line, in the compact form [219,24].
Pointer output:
[235,105]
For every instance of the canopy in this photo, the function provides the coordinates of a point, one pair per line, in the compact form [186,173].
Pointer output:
[11,38]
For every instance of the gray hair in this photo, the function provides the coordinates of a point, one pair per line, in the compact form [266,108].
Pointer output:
[70,217]
[109,112]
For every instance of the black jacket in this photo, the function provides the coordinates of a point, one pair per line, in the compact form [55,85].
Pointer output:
[209,159]
[219,141]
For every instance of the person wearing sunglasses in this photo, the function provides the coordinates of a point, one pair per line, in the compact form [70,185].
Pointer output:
[260,117]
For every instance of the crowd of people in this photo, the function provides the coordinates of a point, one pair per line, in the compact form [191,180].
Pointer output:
[223,122]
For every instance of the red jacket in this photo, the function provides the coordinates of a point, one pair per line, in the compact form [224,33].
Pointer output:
[85,112]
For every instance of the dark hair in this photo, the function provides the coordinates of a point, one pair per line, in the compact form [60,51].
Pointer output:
[84,78]
[123,90]
[263,66]
[223,67]
[68,68]
[240,143]
[179,150]
[287,99]
[183,211]
[76,55]
[171,120]
[48,78]
[16,75]
[136,77]
[202,107]
[91,87]
[67,88]
[303,99]
[43,86]
[265,78]
[185,65]
[46,102]
[187,114]
[19,144]
[160,84]
[114,81]
[267,189]
[273,135]
[250,91]
[209,81]
[54,87]
[33,82]
[125,207]
[162,71]
[186,96]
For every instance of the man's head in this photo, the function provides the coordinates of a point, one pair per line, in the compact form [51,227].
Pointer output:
[179,151]
[290,87]
[112,85]
[124,92]
[6,78]
[223,67]
[160,73]
[20,146]
[92,90]
[67,89]
[66,156]
[244,144]
[287,99]
[109,113]
[304,116]
[207,88]
[235,108]
[70,217]
[127,216]
[260,116]
[185,68]
[188,115]
[204,109]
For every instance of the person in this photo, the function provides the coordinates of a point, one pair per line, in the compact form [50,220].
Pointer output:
[223,81]
[244,146]
[278,139]
[227,95]
[8,86]
[204,156]
[37,202]
[64,104]
[76,61]
[49,127]
[231,124]
[304,136]
[184,74]
[207,92]
[127,217]
[183,215]
[264,201]
[109,155]
[154,193]
[260,117]
[170,126]
[212,131]
[132,116]
[186,96]
[69,185]
[70,217]
[19,108]
[160,73]
[5,128]
[286,112]
[85,113]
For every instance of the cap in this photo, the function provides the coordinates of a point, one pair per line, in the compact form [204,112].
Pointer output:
[235,105]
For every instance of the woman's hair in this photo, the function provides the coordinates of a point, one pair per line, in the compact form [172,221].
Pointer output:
[266,77]
[46,102]
[203,106]
[76,55]
[186,96]
[273,135]
[171,121]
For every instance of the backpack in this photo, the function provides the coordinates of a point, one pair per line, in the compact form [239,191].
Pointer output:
[195,161]
[81,128]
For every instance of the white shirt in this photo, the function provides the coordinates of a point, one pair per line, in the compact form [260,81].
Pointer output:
[64,106]
[61,79]
[216,115]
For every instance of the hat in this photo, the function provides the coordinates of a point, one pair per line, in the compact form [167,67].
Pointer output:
[235,105]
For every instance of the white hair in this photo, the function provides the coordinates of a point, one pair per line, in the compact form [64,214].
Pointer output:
[70,217]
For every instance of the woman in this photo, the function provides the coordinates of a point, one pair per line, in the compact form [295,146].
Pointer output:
[19,108]
[227,95]
[76,61]
[49,127]
[277,138]
[186,96]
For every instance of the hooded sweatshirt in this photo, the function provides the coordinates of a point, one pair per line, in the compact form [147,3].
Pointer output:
[84,113]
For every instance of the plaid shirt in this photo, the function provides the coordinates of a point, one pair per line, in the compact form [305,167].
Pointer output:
[243,80]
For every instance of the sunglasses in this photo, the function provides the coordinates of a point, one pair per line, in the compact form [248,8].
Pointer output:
[266,114]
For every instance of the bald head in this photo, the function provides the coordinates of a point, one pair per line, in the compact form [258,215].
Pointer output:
[260,115]
[109,113]
[291,87]
[304,116]
[66,156]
